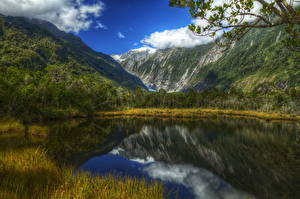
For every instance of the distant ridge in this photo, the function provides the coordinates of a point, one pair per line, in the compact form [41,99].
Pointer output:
[38,44]
[259,61]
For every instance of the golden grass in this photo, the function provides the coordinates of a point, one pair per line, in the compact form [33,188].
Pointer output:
[27,172]
[198,113]
[10,125]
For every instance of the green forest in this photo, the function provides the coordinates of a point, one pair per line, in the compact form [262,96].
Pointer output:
[55,93]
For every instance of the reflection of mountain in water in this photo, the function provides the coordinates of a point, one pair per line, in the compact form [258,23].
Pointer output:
[254,156]
[175,144]
[166,146]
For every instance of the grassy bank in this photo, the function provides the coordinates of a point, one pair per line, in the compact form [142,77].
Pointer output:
[198,113]
[28,172]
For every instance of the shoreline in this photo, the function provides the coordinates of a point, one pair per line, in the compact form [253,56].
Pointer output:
[196,113]
[166,113]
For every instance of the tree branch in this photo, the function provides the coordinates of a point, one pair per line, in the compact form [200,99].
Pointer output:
[258,16]
[274,9]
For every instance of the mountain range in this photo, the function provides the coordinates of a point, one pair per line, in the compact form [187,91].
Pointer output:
[258,62]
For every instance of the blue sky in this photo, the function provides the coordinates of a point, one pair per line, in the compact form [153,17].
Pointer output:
[134,19]
[114,26]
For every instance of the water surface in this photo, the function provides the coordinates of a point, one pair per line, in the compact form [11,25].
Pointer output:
[214,158]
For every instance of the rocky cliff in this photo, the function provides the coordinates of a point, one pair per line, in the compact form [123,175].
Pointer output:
[259,61]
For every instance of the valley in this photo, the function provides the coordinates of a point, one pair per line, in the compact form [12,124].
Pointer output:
[122,103]
[259,61]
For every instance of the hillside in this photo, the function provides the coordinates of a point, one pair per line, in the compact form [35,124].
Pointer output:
[35,44]
[259,61]
[48,74]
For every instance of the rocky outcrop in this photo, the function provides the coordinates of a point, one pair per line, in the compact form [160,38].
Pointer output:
[171,69]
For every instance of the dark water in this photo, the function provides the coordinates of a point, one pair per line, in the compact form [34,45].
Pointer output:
[212,159]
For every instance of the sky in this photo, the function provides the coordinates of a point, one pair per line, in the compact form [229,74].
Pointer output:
[113,26]
[128,22]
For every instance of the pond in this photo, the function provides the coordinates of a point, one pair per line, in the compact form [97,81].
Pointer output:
[230,158]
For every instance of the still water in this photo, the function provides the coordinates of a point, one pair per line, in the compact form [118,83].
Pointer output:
[219,158]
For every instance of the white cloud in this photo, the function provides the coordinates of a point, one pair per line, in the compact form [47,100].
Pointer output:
[99,25]
[203,183]
[227,14]
[181,37]
[145,48]
[121,35]
[67,15]
[116,151]
[146,160]
[119,59]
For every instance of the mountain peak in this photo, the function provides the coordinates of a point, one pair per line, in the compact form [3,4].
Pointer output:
[138,53]
[145,49]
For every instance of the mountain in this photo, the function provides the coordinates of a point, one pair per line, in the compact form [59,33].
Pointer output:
[259,61]
[135,58]
[36,45]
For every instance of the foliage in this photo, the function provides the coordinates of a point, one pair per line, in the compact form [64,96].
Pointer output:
[276,101]
[35,45]
[241,16]
[196,113]
[38,95]
[35,95]
[47,74]
[259,61]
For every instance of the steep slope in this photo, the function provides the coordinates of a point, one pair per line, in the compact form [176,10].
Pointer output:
[259,61]
[36,44]
[170,69]
[135,58]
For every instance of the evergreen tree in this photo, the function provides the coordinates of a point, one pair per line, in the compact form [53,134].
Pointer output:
[1,26]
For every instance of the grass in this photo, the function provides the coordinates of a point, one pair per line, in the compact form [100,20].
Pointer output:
[198,113]
[10,125]
[27,172]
